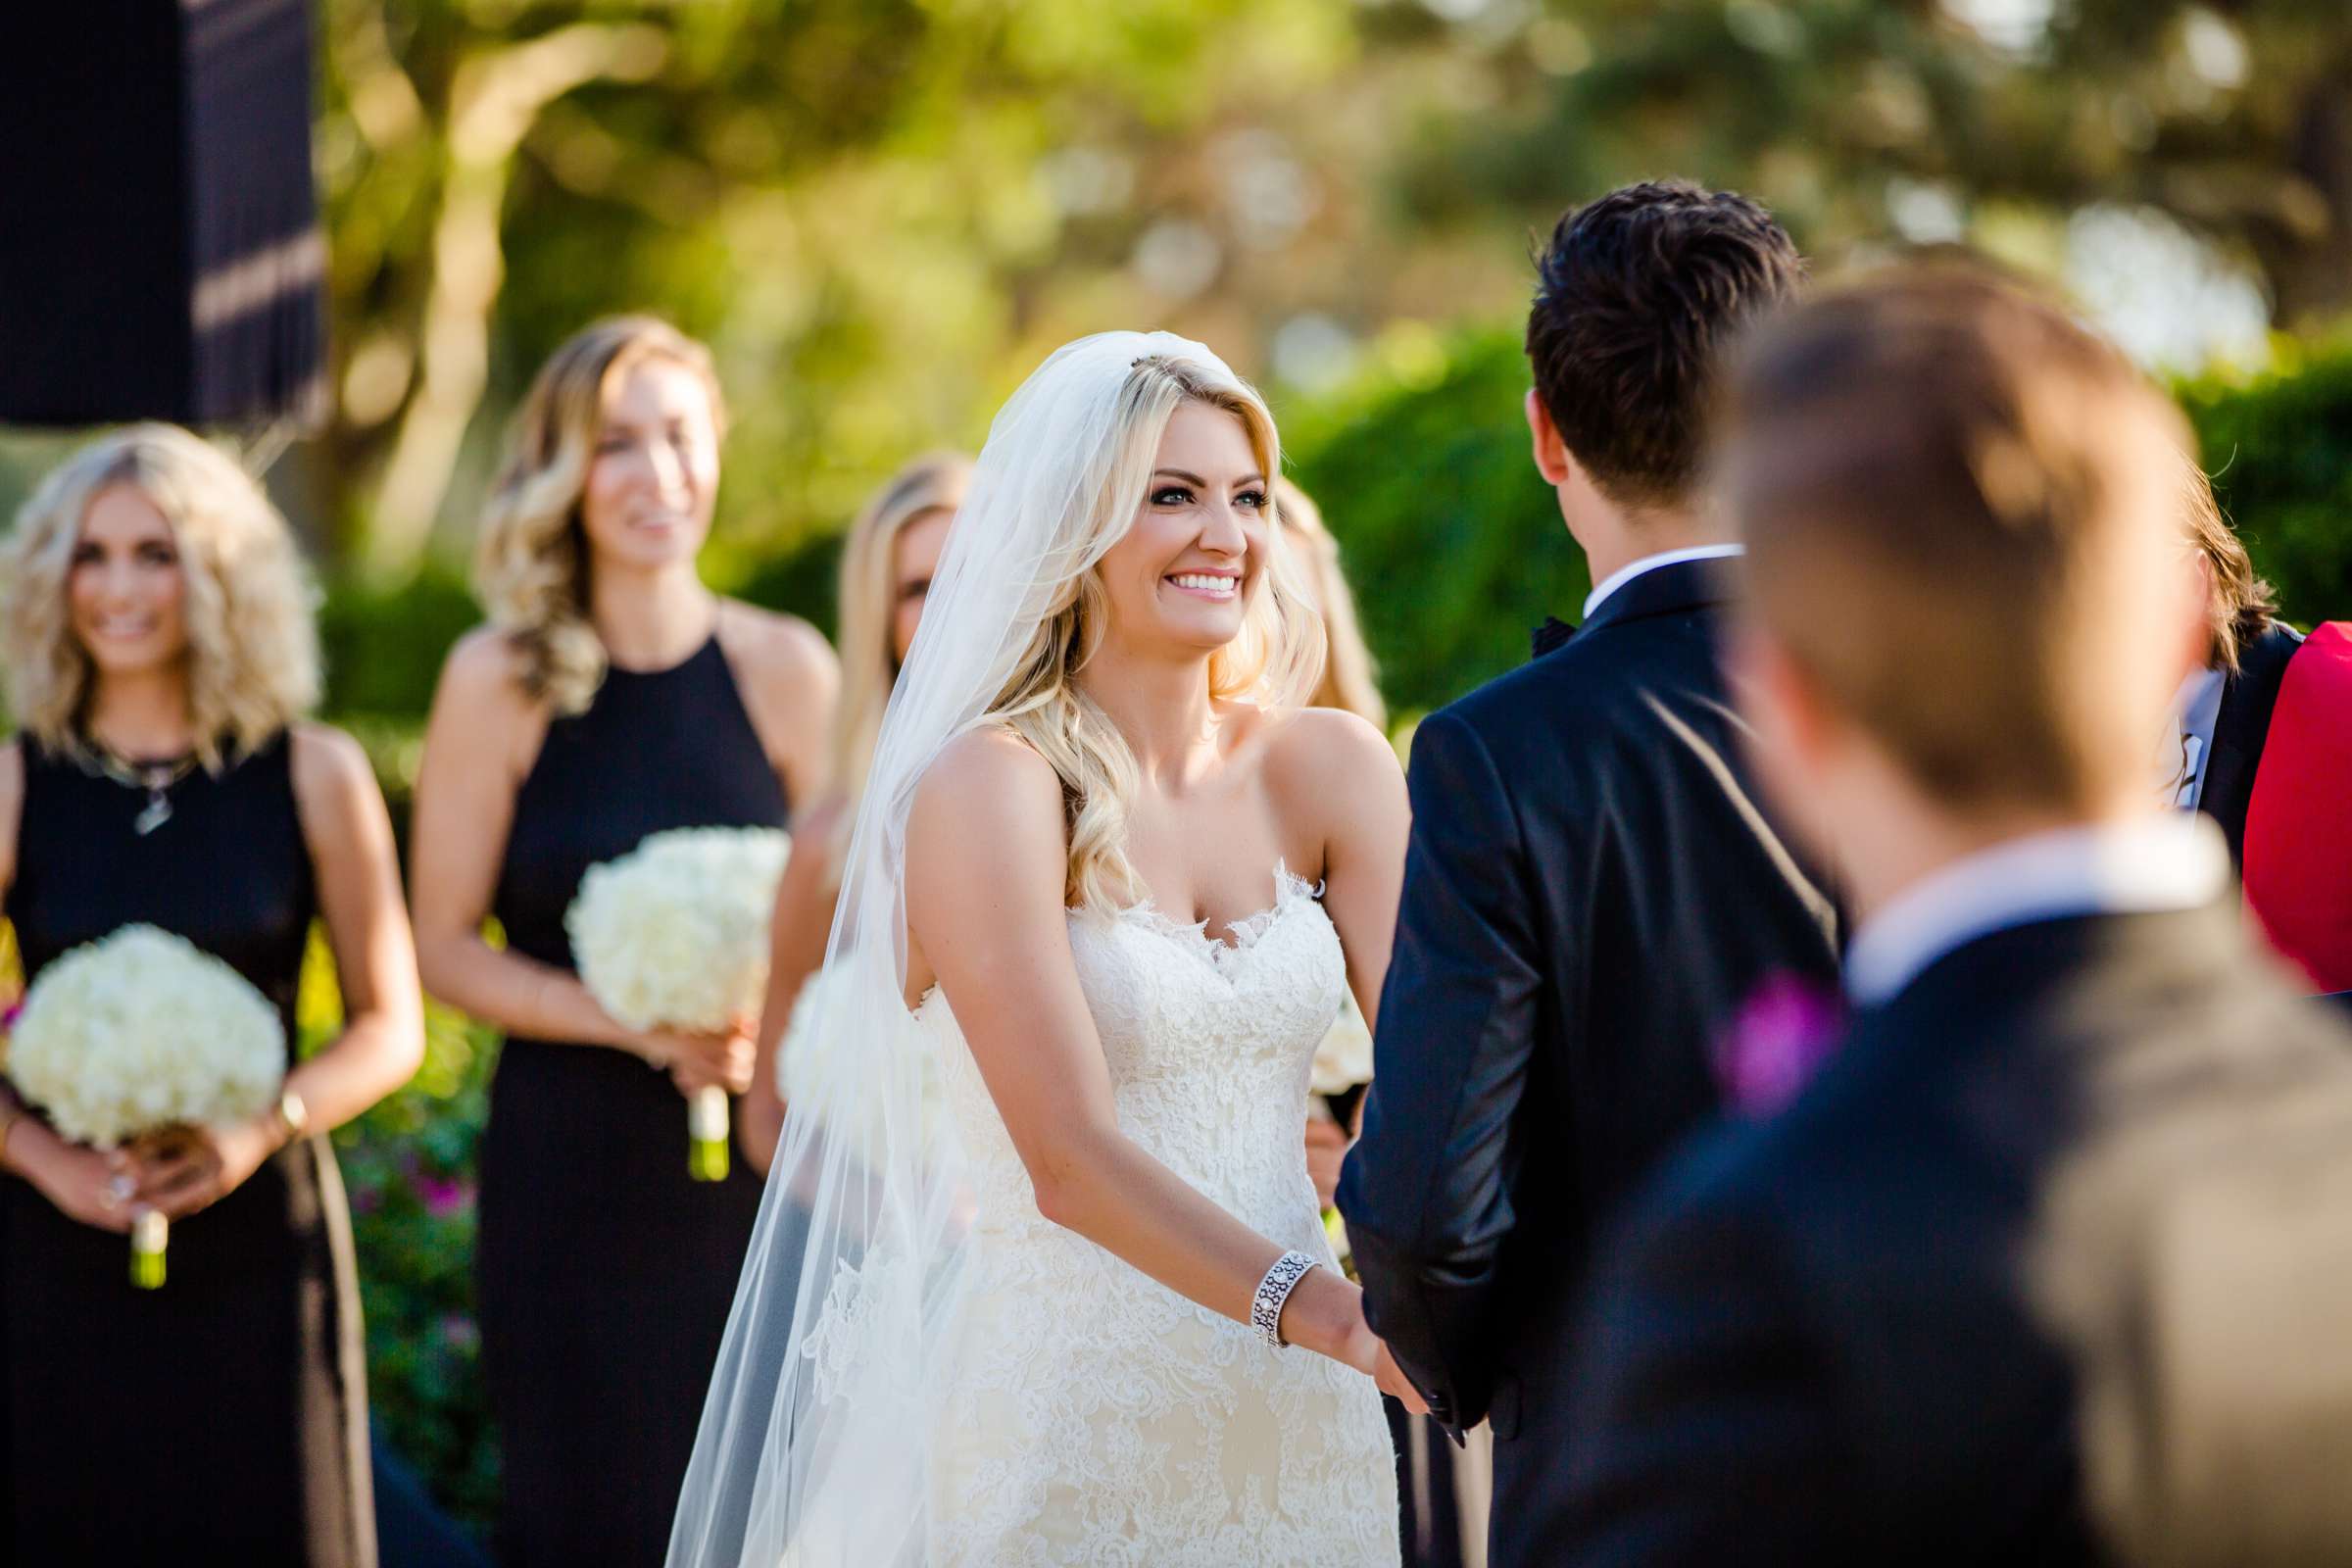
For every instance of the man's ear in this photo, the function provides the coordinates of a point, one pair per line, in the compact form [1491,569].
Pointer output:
[1794,728]
[1552,460]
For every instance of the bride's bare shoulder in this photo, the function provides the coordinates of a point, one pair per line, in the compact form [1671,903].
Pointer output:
[1333,779]
[988,782]
[1312,748]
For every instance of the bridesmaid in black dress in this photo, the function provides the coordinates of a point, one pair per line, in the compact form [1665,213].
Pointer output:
[612,697]
[159,651]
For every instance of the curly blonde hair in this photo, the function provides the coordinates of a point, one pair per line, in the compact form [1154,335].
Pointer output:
[1351,678]
[869,663]
[531,560]
[253,645]
[1275,662]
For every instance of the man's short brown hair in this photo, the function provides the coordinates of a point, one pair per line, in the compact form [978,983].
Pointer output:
[1962,523]
[1636,296]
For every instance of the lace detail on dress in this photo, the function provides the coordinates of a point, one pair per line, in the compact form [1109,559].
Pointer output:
[1243,934]
[862,1296]
[1095,1415]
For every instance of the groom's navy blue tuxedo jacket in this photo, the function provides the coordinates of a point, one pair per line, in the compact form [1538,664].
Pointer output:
[1593,889]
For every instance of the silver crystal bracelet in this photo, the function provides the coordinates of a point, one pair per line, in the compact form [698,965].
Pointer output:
[1266,1310]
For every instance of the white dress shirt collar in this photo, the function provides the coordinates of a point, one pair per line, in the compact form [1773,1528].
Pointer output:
[1627,574]
[2164,861]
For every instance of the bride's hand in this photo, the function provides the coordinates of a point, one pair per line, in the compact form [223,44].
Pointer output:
[1331,1319]
[1325,1314]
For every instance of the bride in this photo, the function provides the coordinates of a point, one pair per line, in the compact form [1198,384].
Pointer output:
[1043,1281]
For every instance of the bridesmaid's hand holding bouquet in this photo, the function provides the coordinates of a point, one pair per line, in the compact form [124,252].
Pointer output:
[672,940]
[142,1039]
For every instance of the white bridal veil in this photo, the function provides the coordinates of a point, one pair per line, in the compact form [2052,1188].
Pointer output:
[817,1435]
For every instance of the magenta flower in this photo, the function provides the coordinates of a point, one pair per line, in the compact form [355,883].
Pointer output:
[442,1196]
[1783,1032]
[460,1332]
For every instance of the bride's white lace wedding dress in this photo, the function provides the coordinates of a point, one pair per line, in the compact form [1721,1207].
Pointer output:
[1096,1416]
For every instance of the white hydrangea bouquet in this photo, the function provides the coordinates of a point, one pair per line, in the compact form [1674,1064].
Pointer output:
[824,1075]
[674,935]
[138,1032]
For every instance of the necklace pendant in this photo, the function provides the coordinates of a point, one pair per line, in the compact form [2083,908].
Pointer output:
[154,814]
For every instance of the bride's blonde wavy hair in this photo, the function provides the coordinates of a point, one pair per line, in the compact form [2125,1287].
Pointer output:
[1275,660]
[531,561]
[253,645]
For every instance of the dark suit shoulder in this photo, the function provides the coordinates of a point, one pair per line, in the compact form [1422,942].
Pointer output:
[1618,674]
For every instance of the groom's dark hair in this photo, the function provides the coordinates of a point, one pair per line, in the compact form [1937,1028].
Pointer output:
[1636,295]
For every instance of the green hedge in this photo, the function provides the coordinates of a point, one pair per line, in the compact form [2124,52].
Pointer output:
[1452,542]
[2281,450]
[1455,548]
[383,648]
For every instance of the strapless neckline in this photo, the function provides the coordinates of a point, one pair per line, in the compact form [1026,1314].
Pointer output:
[1245,933]
[1290,892]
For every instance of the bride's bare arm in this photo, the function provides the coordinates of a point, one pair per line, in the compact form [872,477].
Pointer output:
[985,861]
[1334,770]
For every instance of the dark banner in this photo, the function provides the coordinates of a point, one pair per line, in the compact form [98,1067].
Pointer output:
[159,249]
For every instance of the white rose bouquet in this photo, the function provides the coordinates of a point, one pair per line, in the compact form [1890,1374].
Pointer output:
[138,1032]
[674,935]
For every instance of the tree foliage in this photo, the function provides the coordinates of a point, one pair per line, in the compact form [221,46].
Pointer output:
[883,212]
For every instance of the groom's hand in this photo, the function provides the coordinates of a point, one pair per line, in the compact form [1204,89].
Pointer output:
[1395,1384]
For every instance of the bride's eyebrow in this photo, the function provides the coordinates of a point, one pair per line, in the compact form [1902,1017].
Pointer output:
[1199,483]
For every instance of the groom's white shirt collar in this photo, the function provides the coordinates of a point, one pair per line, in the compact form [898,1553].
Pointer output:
[1668,558]
[2165,862]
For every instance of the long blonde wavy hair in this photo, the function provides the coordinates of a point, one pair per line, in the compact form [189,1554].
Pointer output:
[1274,663]
[1351,678]
[253,645]
[531,563]
[869,605]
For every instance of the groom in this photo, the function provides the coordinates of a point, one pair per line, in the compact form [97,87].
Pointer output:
[1591,889]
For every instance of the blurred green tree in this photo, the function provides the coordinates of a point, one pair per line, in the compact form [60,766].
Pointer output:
[1861,120]
[882,211]
[876,212]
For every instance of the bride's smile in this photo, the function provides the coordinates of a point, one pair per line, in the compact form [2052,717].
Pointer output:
[1179,580]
